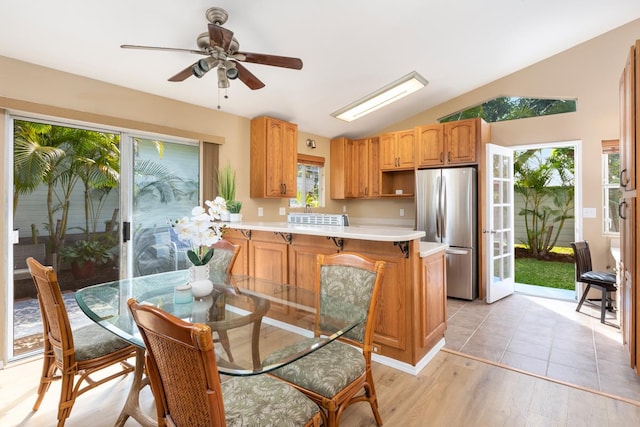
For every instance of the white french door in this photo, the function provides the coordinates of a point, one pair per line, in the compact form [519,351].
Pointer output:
[498,230]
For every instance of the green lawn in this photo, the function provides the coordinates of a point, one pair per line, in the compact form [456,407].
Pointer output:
[551,274]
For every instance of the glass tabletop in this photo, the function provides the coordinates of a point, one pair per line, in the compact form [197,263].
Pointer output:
[249,317]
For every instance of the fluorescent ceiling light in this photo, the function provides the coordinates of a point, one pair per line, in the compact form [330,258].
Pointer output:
[378,99]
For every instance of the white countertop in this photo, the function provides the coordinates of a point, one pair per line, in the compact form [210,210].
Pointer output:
[377,233]
[430,248]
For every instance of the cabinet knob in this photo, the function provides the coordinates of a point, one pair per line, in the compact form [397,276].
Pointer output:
[448,156]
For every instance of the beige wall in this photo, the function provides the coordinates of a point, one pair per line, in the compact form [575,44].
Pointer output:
[589,72]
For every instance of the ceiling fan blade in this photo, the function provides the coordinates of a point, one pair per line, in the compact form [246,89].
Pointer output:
[220,36]
[247,77]
[183,75]
[171,49]
[274,60]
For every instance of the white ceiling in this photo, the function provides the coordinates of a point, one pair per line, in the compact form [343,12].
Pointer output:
[349,47]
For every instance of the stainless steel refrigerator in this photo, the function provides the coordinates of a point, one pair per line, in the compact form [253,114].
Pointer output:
[446,210]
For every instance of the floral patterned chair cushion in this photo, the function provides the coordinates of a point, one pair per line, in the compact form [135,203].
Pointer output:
[261,400]
[220,261]
[325,371]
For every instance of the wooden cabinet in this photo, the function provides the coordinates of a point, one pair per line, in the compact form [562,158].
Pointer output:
[274,158]
[397,150]
[393,315]
[303,253]
[431,300]
[355,171]
[366,167]
[269,256]
[430,145]
[629,231]
[451,143]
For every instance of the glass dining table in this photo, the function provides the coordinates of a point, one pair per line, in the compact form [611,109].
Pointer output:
[249,317]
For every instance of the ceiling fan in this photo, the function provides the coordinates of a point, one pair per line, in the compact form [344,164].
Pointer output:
[220,49]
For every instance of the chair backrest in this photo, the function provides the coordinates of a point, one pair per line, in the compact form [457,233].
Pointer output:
[582,256]
[182,368]
[352,279]
[224,256]
[55,321]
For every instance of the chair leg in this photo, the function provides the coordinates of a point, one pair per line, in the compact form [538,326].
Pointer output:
[603,305]
[47,377]
[67,398]
[584,297]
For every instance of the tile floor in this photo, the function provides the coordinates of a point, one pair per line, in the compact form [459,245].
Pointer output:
[545,336]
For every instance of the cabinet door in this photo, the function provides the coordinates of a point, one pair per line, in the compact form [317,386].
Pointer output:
[268,260]
[388,157]
[303,258]
[432,297]
[627,277]
[361,167]
[274,157]
[460,141]
[289,165]
[430,145]
[628,124]
[405,150]
[373,189]
[341,168]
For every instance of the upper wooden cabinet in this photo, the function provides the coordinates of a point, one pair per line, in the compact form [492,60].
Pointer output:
[628,118]
[450,143]
[355,170]
[397,150]
[274,158]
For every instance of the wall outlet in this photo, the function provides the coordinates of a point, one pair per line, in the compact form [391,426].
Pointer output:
[344,208]
[260,212]
[401,212]
[283,211]
[588,212]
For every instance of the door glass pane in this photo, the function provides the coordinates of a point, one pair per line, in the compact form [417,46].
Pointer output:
[66,213]
[166,188]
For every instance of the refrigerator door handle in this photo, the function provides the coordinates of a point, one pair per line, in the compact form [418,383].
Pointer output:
[443,208]
[438,208]
[456,251]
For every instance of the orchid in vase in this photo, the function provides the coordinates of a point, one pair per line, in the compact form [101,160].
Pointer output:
[201,230]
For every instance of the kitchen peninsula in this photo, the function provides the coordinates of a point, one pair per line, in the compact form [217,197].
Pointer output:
[411,315]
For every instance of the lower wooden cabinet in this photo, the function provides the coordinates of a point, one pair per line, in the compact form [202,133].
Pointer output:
[411,311]
[269,256]
[432,297]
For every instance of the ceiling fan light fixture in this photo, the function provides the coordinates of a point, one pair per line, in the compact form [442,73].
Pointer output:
[383,96]
[232,73]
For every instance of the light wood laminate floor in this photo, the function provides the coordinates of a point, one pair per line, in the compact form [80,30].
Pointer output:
[546,337]
[453,390]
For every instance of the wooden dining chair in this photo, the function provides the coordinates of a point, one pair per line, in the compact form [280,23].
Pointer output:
[181,365]
[224,257]
[74,353]
[334,375]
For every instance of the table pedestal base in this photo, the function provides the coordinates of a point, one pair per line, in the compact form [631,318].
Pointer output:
[132,404]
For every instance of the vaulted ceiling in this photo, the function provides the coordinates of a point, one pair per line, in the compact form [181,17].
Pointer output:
[349,48]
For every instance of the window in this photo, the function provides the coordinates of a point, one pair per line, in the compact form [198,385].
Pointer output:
[611,186]
[513,107]
[309,193]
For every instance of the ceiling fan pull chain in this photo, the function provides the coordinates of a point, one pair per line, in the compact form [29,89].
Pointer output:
[218,98]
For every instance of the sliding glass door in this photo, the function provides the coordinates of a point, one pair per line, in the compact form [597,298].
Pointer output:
[96,205]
